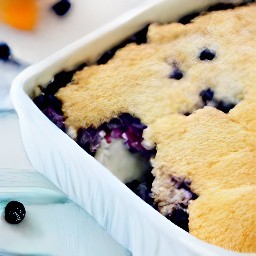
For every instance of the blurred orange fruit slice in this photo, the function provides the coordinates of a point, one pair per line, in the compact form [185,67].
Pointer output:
[20,14]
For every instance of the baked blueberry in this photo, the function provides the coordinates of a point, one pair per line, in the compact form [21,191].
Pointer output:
[60,80]
[5,51]
[61,7]
[83,140]
[14,212]
[143,187]
[55,117]
[48,101]
[188,18]
[176,74]
[185,184]
[217,7]
[225,106]
[51,107]
[40,101]
[139,37]
[220,7]
[180,218]
[207,54]
[207,95]
[106,56]
[114,123]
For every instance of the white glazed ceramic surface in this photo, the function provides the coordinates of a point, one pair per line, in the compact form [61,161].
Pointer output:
[125,216]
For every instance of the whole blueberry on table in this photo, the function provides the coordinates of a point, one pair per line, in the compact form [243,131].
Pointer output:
[14,212]
[5,51]
[61,7]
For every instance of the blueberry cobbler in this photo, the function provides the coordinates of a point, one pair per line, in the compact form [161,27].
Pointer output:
[171,114]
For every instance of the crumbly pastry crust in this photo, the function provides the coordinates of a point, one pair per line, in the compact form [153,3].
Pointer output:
[216,151]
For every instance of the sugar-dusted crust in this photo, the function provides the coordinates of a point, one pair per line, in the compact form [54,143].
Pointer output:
[219,156]
[226,218]
[216,151]
[136,79]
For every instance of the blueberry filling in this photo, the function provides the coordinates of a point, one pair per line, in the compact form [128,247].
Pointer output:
[128,129]
[62,7]
[106,56]
[175,205]
[220,7]
[60,80]
[181,195]
[143,187]
[51,107]
[188,18]
[89,139]
[208,99]
[125,127]
[180,218]
[139,38]
[14,212]
[48,103]
[185,185]
[217,7]
[223,6]
[207,54]
[5,51]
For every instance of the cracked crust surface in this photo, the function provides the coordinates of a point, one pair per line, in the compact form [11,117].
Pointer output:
[219,156]
[137,79]
[216,151]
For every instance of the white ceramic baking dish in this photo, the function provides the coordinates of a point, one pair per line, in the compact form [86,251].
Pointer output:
[125,216]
